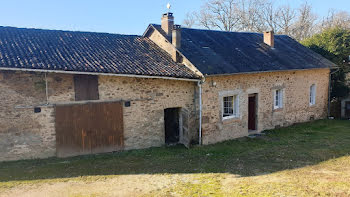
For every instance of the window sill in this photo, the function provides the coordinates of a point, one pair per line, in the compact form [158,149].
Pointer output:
[230,117]
[277,110]
[228,120]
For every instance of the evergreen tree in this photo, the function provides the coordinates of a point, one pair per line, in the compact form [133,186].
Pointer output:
[334,44]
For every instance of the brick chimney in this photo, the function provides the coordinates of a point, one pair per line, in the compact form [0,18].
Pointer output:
[176,40]
[269,38]
[168,23]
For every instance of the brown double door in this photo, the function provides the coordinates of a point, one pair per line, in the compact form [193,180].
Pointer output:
[252,112]
[89,128]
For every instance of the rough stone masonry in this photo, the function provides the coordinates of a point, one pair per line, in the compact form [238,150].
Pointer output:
[25,134]
[296,107]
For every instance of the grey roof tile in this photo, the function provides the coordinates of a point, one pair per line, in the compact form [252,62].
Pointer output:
[219,52]
[86,52]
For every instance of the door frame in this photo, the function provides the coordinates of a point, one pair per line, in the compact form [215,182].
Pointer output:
[184,135]
[343,108]
[256,96]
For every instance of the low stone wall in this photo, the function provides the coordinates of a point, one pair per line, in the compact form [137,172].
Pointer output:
[296,101]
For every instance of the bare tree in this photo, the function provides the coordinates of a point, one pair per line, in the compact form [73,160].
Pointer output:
[250,15]
[270,17]
[304,27]
[334,18]
[218,14]
[205,19]
[262,15]
[236,15]
[285,19]
[190,20]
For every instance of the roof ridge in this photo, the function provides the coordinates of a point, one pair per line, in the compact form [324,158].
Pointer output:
[221,31]
[66,31]
[85,52]
[218,52]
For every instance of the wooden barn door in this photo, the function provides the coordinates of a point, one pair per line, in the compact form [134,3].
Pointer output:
[89,128]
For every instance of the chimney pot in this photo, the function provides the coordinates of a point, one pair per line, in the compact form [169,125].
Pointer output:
[269,38]
[168,23]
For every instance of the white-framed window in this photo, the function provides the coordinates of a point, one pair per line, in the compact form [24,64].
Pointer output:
[230,106]
[278,99]
[312,99]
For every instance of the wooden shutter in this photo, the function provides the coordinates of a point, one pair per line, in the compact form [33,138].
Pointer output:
[93,87]
[236,105]
[184,128]
[86,87]
[280,97]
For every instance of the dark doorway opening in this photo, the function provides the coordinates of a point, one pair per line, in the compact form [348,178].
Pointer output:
[172,125]
[252,109]
[347,109]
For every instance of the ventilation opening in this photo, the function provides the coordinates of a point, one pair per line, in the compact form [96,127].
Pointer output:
[179,58]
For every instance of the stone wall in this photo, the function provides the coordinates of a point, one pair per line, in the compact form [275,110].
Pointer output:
[144,119]
[167,46]
[23,133]
[296,108]
[26,135]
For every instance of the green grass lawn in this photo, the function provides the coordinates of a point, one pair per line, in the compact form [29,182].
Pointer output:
[310,159]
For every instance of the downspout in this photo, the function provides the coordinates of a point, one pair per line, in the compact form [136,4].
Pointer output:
[46,90]
[200,113]
[200,110]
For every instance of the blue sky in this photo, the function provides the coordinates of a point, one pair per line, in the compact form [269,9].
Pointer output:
[114,16]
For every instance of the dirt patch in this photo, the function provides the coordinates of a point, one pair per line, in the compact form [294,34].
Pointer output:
[123,185]
[128,185]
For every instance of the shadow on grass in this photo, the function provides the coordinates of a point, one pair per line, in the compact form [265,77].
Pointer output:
[280,149]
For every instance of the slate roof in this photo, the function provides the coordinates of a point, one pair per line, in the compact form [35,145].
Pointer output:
[86,52]
[219,52]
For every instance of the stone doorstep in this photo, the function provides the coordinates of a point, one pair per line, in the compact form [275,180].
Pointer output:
[254,135]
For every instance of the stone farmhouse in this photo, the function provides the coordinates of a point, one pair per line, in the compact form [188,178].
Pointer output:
[69,93]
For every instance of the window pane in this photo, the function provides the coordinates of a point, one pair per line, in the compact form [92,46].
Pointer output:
[312,94]
[280,102]
[277,98]
[310,98]
[228,106]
